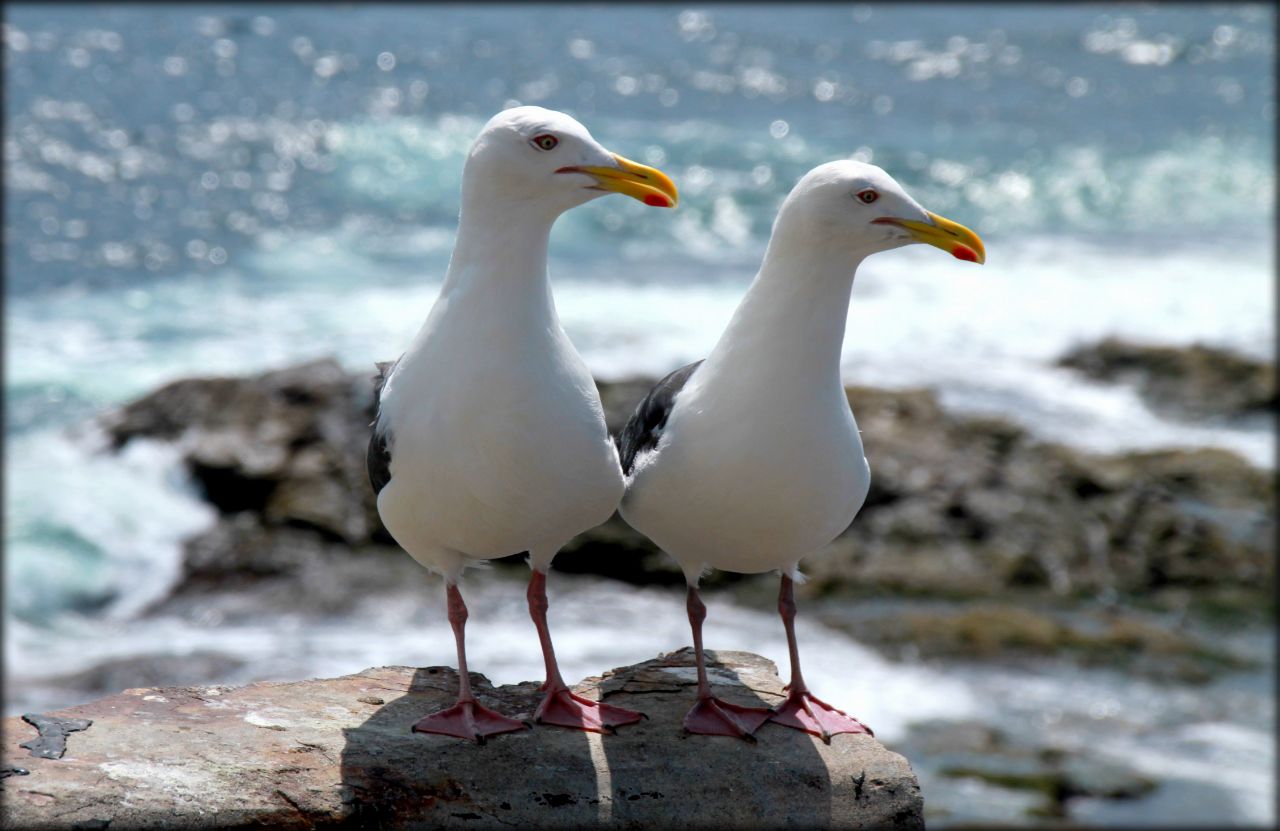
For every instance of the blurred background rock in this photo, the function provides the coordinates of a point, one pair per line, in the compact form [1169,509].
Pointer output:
[1058,600]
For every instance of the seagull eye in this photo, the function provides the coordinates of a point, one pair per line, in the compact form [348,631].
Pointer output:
[868,196]
[546,141]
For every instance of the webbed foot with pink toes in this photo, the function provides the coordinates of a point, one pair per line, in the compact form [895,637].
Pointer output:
[564,708]
[804,712]
[715,717]
[468,720]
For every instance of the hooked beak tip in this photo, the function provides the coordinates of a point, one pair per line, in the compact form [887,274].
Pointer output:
[641,182]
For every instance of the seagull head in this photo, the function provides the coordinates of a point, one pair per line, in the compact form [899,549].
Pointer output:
[857,207]
[543,159]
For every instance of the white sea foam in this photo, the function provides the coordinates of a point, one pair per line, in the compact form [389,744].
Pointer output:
[89,528]
[986,338]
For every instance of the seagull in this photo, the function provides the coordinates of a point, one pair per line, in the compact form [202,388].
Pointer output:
[490,436]
[751,459]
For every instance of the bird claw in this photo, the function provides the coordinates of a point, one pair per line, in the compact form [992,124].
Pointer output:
[715,717]
[803,711]
[562,708]
[468,720]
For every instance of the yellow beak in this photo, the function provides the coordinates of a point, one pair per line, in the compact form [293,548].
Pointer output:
[648,184]
[951,237]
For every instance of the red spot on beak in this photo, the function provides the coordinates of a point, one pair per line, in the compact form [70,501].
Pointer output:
[657,201]
[964,252]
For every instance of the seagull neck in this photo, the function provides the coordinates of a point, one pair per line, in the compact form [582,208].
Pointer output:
[500,252]
[791,322]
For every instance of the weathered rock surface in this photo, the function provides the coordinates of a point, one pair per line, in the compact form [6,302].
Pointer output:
[1195,382]
[324,753]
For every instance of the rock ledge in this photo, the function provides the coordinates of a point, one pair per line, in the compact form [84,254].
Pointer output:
[339,752]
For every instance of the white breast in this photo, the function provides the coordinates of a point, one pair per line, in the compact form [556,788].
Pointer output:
[749,482]
[498,440]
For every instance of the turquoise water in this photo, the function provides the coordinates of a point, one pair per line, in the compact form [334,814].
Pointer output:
[168,159]
[224,189]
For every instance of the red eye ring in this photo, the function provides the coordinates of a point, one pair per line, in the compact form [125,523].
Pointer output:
[546,141]
[868,196]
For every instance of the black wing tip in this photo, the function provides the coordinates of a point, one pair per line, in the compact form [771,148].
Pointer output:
[650,415]
[378,458]
[378,461]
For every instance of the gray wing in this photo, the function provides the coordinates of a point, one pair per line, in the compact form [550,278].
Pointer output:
[378,460]
[644,428]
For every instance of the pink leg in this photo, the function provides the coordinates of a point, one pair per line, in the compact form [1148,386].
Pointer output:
[465,719]
[561,706]
[802,710]
[711,716]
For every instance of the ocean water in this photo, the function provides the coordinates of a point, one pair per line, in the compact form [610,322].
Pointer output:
[225,189]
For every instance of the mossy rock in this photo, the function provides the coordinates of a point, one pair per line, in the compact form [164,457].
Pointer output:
[991,632]
[1060,783]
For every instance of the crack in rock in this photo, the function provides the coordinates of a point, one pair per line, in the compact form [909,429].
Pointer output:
[52,741]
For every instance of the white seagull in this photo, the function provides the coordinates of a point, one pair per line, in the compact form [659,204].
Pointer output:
[751,460]
[490,437]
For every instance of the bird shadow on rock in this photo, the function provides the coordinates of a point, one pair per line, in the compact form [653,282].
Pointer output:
[661,775]
[393,777]
[647,774]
